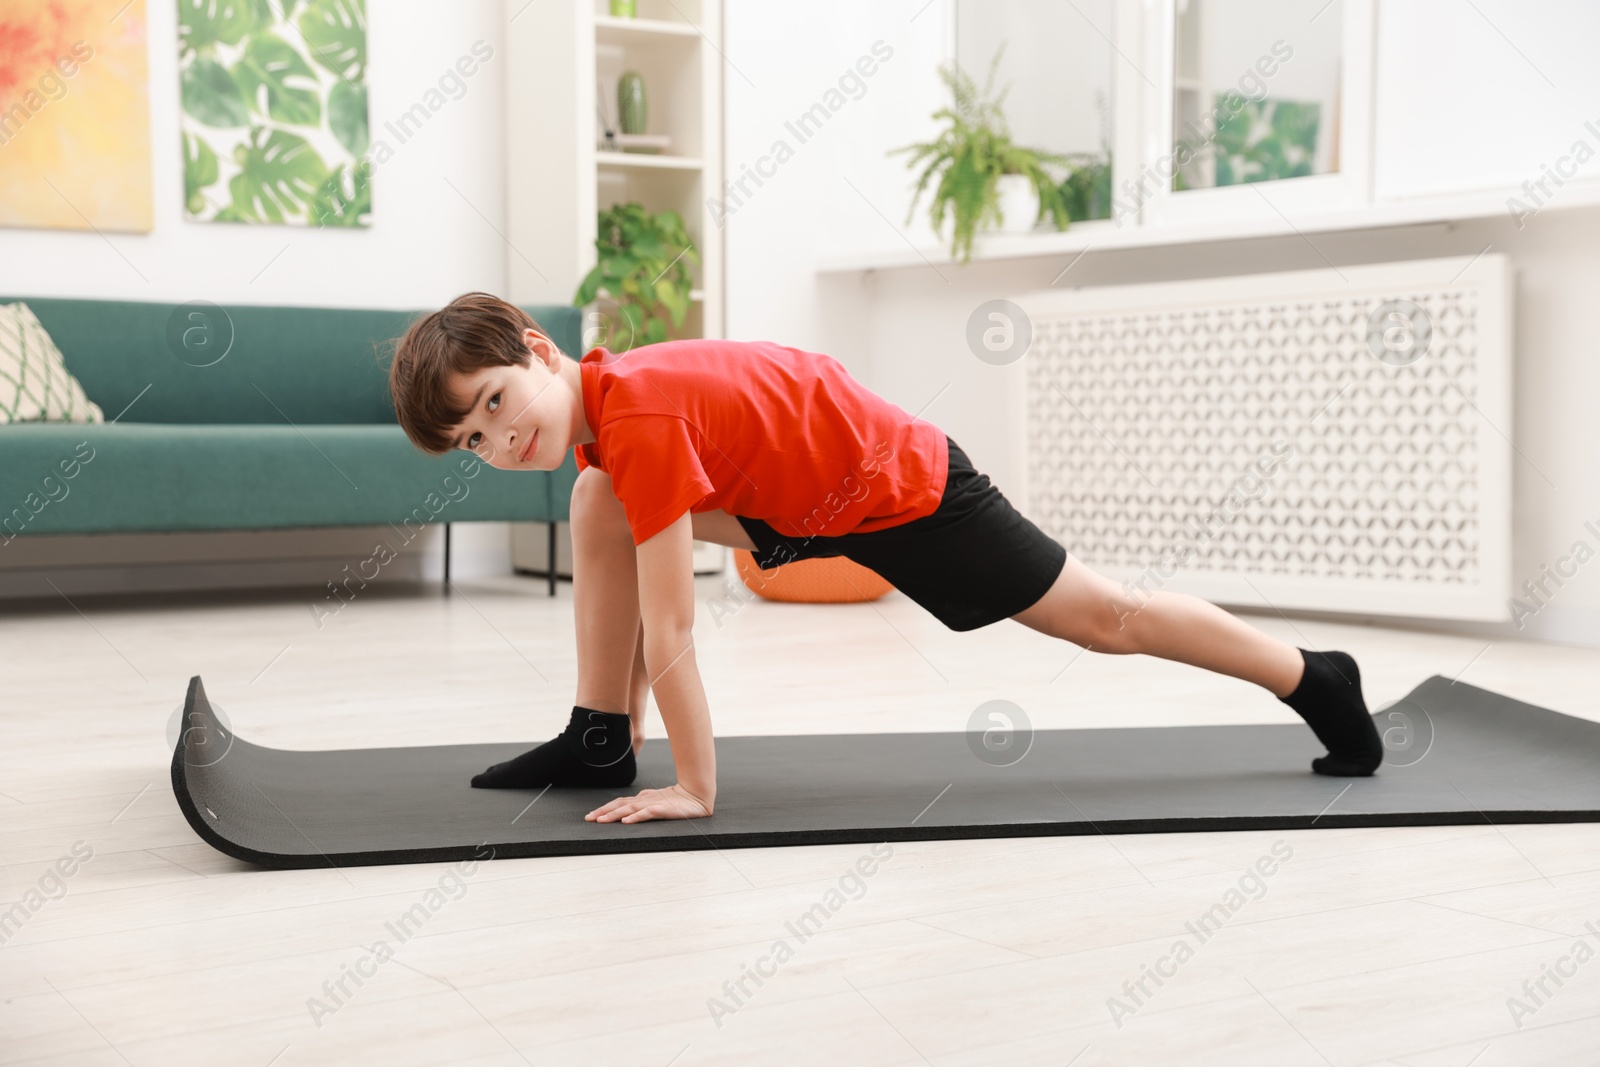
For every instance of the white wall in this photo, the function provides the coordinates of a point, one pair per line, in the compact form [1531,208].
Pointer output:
[1484,94]
[1459,107]
[838,190]
[428,243]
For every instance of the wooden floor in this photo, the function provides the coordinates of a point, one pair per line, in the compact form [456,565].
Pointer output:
[1365,946]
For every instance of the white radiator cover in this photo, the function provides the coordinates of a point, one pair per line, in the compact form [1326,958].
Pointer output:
[1239,439]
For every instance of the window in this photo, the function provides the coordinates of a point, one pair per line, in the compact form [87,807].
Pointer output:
[1213,111]
[1262,108]
[1255,90]
[1058,61]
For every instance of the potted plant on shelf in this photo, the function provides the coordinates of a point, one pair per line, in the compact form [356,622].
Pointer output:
[643,267]
[984,178]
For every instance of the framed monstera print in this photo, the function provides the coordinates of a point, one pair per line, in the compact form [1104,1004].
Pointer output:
[274,116]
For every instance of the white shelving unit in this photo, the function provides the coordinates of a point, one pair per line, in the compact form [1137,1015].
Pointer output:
[563,60]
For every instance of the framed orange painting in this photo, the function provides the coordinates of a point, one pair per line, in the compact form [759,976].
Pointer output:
[75,115]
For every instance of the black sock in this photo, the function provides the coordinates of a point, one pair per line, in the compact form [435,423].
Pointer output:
[596,749]
[1329,699]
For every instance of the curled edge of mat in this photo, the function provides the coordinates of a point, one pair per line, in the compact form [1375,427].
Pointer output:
[198,717]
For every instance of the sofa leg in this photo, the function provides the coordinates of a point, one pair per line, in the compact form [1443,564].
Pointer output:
[550,559]
[447,559]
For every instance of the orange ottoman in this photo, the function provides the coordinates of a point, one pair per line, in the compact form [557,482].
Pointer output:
[829,580]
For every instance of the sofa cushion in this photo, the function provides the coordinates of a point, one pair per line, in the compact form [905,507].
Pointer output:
[75,478]
[35,385]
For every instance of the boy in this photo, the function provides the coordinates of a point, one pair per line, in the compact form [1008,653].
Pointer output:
[768,448]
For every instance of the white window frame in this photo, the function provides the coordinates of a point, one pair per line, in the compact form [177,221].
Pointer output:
[1141,129]
[1152,32]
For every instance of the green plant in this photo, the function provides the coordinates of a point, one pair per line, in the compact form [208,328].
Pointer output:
[643,267]
[1259,141]
[969,156]
[1246,154]
[1087,188]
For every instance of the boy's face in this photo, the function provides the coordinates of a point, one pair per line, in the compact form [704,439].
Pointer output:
[517,407]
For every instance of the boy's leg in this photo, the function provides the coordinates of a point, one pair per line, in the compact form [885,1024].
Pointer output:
[638,693]
[1324,688]
[716,526]
[605,595]
[1091,610]
[596,747]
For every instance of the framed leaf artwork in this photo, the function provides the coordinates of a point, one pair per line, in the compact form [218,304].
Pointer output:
[75,115]
[274,96]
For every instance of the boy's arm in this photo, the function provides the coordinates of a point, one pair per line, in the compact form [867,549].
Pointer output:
[666,606]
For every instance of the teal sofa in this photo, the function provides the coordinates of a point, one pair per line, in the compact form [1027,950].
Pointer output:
[247,417]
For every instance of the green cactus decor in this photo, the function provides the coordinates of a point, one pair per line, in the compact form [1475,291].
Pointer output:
[632,107]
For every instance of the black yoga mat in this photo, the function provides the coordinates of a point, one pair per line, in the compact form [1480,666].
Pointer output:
[1457,754]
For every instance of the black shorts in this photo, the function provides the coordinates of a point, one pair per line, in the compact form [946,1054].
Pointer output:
[973,561]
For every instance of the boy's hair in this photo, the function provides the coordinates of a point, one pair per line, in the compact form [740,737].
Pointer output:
[473,331]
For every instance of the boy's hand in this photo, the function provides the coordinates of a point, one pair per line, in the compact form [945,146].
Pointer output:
[674,802]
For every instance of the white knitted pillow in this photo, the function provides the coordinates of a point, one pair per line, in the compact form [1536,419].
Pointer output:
[35,385]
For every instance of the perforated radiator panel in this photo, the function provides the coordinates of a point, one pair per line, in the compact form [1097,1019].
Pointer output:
[1330,439]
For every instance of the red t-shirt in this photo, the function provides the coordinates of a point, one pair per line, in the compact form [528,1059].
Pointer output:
[756,429]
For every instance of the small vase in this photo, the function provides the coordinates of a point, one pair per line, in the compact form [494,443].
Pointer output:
[1019,203]
[622,9]
[632,107]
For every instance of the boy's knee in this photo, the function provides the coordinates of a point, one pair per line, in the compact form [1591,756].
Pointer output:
[594,502]
[1114,622]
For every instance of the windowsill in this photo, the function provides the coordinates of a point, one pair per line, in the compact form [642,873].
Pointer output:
[1107,235]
